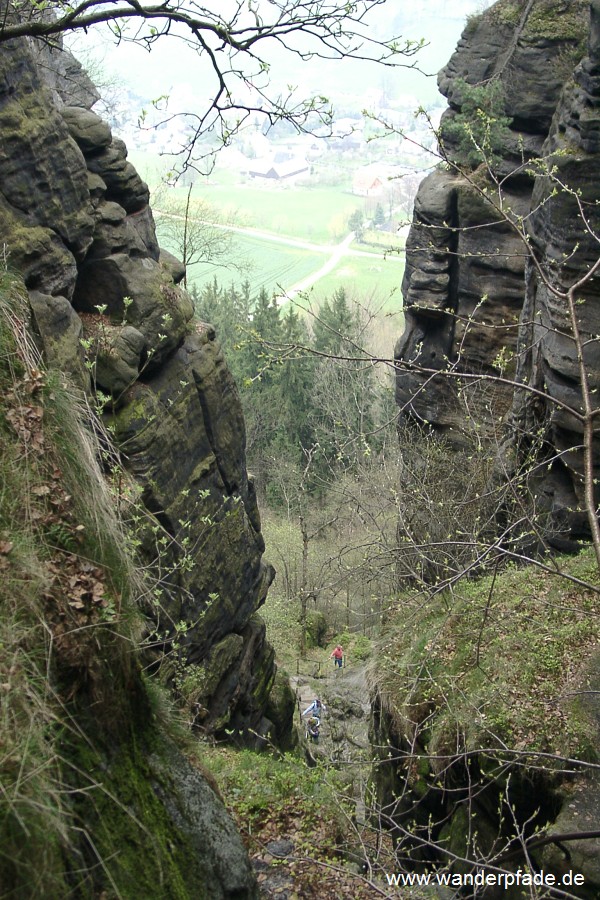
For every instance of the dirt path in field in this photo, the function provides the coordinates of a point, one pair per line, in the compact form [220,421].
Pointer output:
[343,248]
[337,253]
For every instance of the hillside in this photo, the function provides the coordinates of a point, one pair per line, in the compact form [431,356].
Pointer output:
[452,541]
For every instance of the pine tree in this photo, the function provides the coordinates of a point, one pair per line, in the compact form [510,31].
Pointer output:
[379,216]
[334,324]
[295,387]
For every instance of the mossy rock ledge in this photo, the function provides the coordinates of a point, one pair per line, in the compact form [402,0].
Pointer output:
[486,732]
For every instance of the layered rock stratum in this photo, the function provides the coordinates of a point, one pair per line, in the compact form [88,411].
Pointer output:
[76,223]
[475,298]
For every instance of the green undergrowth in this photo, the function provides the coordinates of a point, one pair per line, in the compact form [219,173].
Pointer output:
[504,663]
[283,631]
[281,794]
[67,621]
[548,19]
[357,647]
[277,801]
[554,19]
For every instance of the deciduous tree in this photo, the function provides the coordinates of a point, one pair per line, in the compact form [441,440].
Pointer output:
[233,38]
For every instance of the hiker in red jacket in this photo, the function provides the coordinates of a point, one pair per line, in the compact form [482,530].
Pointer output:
[338,656]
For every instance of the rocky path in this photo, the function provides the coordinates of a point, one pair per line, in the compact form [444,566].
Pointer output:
[344,745]
[344,726]
[283,872]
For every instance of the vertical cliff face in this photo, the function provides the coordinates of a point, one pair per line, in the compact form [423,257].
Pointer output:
[475,295]
[564,227]
[96,795]
[464,281]
[75,222]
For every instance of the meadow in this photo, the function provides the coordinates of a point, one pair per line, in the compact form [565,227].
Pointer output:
[318,215]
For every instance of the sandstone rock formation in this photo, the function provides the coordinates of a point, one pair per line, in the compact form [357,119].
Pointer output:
[474,295]
[464,285]
[75,222]
[97,797]
[564,228]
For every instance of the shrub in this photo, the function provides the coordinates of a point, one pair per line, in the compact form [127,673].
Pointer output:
[362,647]
[480,128]
[316,629]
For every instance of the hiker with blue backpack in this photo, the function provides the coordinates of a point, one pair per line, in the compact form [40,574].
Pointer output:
[312,729]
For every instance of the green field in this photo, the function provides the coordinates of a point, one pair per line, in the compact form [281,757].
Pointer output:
[265,263]
[317,215]
[364,280]
[277,268]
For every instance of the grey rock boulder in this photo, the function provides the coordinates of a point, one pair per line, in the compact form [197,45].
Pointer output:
[139,292]
[220,862]
[175,267]
[42,171]
[113,234]
[63,74]
[123,183]
[116,354]
[87,129]
[60,331]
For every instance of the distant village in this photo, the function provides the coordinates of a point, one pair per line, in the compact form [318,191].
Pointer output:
[280,157]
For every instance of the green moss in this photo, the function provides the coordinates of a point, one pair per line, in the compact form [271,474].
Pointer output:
[222,657]
[280,709]
[556,20]
[26,245]
[31,129]
[508,13]
[549,19]
[264,675]
[140,405]
[454,836]
[133,842]
[316,629]
[498,662]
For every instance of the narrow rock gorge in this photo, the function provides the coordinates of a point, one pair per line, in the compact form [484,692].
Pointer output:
[487,351]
